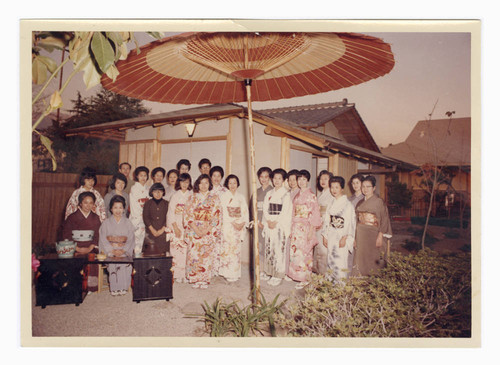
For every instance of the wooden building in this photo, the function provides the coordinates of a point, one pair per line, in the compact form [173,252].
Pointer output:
[329,136]
[445,143]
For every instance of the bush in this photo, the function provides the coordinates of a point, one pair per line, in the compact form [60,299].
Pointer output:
[422,295]
[223,319]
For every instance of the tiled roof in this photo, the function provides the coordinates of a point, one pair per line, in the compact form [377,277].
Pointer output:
[443,142]
[313,116]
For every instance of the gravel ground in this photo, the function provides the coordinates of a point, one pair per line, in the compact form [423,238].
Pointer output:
[105,315]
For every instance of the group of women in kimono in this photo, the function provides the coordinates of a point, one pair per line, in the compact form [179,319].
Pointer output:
[327,233]
[203,224]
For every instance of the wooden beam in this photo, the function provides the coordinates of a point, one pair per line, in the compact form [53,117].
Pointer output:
[275,133]
[195,139]
[285,154]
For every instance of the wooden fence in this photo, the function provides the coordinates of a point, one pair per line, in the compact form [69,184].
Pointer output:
[50,194]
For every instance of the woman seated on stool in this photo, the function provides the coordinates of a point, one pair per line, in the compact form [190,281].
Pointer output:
[116,239]
[84,219]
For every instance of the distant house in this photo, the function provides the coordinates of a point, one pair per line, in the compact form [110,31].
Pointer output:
[445,143]
[329,136]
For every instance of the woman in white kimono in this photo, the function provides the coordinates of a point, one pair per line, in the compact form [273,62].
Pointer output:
[116,239]
[339,229]
[277,221]
[216,176]
[139,194]
[178,247]
[324,199]
[235,218]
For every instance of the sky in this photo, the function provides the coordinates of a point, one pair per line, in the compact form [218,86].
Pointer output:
[431,69]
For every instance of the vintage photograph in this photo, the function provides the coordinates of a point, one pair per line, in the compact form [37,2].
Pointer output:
[264,180]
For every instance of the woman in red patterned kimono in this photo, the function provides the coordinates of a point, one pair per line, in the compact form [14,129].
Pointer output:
[306,219]
[202,232]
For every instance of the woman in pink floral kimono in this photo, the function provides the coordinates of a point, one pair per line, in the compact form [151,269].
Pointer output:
[178,247]
[306,219]
[202,231]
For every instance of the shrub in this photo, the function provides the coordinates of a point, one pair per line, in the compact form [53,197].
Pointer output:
[223,319]
[422,295]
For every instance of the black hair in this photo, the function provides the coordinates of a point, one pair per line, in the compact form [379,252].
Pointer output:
[304,173]
[232,176]
[370,179]
[140,169]
[215,169]
[117,199]
[87,173]
[262,169]
[124,163]
[196,186]
[183,162]
[360,177]
[293,172]
[117,176]
[84,195]
[157,169]
[172,171]
[323,172]
[156,186]
[183,177]
[337,179]
[204,161]
[279,172]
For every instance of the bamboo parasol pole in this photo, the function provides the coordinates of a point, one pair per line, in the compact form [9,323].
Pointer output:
[248,84]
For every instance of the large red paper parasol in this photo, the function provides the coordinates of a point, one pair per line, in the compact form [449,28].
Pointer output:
[209,68]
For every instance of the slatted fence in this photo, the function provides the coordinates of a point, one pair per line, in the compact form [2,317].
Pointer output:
[50,194]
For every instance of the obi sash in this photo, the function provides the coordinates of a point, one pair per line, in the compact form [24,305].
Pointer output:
[234,212]
[202,215]
[368,219]
[336,221]
[301,211]
[179,208]
[274,209]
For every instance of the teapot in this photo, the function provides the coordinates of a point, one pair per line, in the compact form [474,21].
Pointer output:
[66,248]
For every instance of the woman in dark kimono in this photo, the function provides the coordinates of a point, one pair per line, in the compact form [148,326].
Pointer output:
[372,231]
[154,215]
[85,219]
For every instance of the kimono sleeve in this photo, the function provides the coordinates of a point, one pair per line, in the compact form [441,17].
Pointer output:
[146,213]
[216,217]
[72,204]
[285,217]
[244,210]
[104,245]
[350,219]
[315,217]
[130,244]
[385,223]
[100,209]
[188,215]
[265,207]
[68,227]
[171,210]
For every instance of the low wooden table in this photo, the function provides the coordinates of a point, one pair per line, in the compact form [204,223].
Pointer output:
[61,280]
[153,278]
